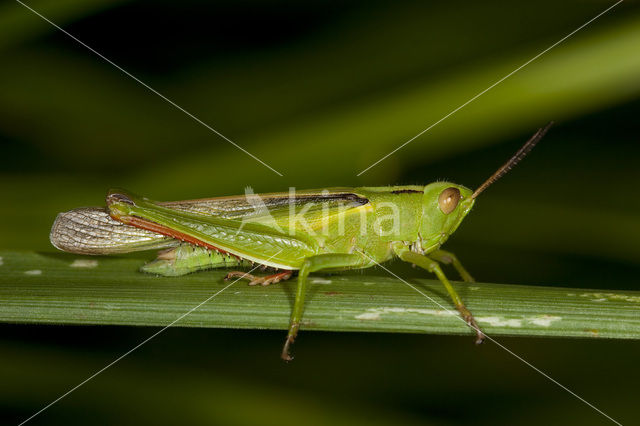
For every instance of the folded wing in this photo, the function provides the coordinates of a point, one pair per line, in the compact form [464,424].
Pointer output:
[92,231]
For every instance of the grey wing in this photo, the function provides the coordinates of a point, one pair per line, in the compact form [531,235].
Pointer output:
[92,231]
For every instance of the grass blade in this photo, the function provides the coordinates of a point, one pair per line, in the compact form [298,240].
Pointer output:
[64,289]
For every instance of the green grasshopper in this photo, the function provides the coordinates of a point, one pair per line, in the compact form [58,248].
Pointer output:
[310,231]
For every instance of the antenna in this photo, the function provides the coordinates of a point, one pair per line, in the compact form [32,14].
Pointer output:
[515,159]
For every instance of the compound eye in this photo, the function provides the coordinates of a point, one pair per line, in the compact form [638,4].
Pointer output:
[448,200]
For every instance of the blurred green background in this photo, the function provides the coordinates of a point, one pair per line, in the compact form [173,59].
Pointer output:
[320,90]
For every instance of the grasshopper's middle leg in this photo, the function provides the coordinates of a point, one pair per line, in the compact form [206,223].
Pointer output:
[312,264]
[263,281]
[432,266]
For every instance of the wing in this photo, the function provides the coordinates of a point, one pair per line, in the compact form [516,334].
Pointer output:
[279,204]
[301,211]
[92,231]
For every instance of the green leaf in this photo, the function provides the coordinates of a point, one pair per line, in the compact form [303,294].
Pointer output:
[64,289]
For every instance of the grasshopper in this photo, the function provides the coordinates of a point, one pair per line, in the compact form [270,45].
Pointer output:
[304,232]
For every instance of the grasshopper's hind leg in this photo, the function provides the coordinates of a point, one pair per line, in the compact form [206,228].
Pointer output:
[187,258]
[433,266]
[335,261]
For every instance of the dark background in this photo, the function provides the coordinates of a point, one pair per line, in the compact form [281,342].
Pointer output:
[319,91]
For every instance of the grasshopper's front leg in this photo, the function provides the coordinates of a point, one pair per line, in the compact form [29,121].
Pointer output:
[335,261]
[451,259]
[432,266]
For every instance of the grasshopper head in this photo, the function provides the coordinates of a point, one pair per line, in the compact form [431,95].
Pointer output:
[444,205]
